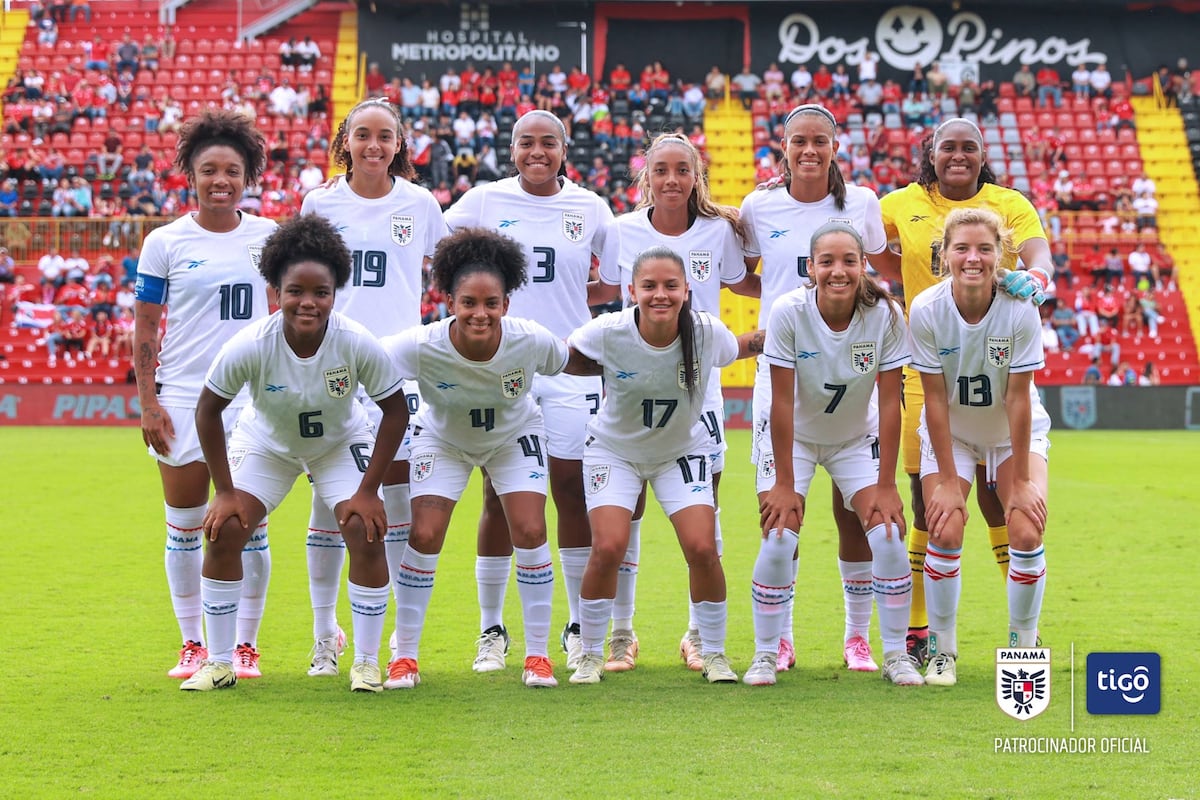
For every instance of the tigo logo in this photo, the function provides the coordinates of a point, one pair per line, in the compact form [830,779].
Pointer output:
[1124,683]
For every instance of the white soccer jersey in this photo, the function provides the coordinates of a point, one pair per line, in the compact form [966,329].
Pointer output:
[976,359]
[779,229]
[647,415]
[710,251]
[212,289]
[303,407]
[389,238]
[835,370]
[477,406]
[559,234]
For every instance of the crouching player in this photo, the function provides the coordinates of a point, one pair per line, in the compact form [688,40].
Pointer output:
[303,365]
[977,350]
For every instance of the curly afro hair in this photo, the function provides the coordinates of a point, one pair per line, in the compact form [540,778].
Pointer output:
[470,250]
[221,127]
[307,237]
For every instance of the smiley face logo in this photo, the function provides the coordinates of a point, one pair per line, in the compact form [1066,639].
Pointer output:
[907,35]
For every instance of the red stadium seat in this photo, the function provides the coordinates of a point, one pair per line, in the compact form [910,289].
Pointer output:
[1087,135]
[1004,105]
[1045,119]
[1007,89]
[1084,119]
[1074,152]
[1134,167]
[1126,135]
[1023,104]
[1130,151]
[1064,119]
[1026,120]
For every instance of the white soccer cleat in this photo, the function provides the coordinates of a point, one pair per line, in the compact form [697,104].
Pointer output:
[590,669]
[211,675]
[901,669]
[941,671]
[762,670]
[572,645]
[491,649]
[718,670]
[324,658]
[365,677]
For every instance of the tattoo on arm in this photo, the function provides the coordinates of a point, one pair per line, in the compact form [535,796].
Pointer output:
[755,344]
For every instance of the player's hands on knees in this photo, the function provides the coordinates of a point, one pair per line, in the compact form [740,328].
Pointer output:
[368,507]
[781,507]
[1027,497]
[942,504]
[887,509]
[157,429]
[223,507]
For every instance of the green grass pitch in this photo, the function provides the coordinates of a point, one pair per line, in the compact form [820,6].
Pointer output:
[86,708]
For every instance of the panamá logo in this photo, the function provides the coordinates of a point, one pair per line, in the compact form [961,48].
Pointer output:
[402,229]
[766,466]
[999,350]
[700,264]
[1124,683]
[1022,681]
[513,383]
[1079,406]
[862,357]
[572,226]
[682,377]
[236,457]
[337,382]
[422,467]
[598,477]
[255,255]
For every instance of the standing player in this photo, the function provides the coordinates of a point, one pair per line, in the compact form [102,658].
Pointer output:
[953,174]
[779,226]
[391,226]
[200,270]
[977,349]
[303,365]
[827,343]
[657,359]
[676,211]
[561,228]
[476,373]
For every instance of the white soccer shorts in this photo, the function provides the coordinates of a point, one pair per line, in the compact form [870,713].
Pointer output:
[440,469]
[609,480]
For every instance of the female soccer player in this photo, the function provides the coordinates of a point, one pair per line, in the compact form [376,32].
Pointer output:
[676,211]
[475,369]
[304,365]
[977,349]
[391,226]
[561,227]
[200,269]
[827,344]
[953,174]
[779,227]
[657,360]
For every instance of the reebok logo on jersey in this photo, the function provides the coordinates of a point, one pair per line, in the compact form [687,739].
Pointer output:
[947,351]
[274,387]
[779,234]
[622,375]
[444,385]
[918,218]
[804,355]
[194,263]
[508,223]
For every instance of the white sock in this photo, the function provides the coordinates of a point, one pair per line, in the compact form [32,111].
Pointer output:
[943,585]
[398,507]
[786,631]
[368,610]
[184,559]
[771,589]
[326,553]
[856,594]
[413,586]
[535,585]
[712,618]
[220,600]
[891,582]
[491,581]
[593,623]
[574,562]
[627,580]
[1026,588]
[256,574]
[693,625]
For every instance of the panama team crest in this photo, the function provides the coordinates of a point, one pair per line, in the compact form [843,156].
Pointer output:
[572,222]
[862,357]
[598,478]
[700,264]
[999,350]
[337,382]
[513,383]
[422,467]
[255,255]
[682,377]
[236,457]
[1023,681]
[1079,406]
[402,229]
[766,466]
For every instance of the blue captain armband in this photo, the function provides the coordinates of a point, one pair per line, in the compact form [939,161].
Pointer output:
[150,289]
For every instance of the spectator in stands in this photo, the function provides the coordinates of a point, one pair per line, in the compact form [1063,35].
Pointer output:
[747,83]
[1123,375]
[375,80]
[123,332]
[150,53]
[283,99]
[100,334]
[822,83]
[1086,321]
[1081,81]
[1107,341]
[58,10]
[870,97]
[556,79]
[714,86]
[51,268]
[918,84]
[1092,375]
[1114,272]
[307,53]
[938,82]
[129,264]
[1145,205]
[1062,264]
[892,95]
[1122,115]
[1024,81]
[10,200]
[1101,81]
[987,100]
[1166,267]
[840,83]
[287,55]
[47,31]
[1062,319]
[110,158]
[128,55]
[76,267]
[868,67]
[410,99]
[1150,315]
[773,82]
[7,267]
[171,116]
[1142,273]
[1049,86]
[1149,376]
[693,102]
[1143,183]
[431,100]
[917,111]
[1050,343]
